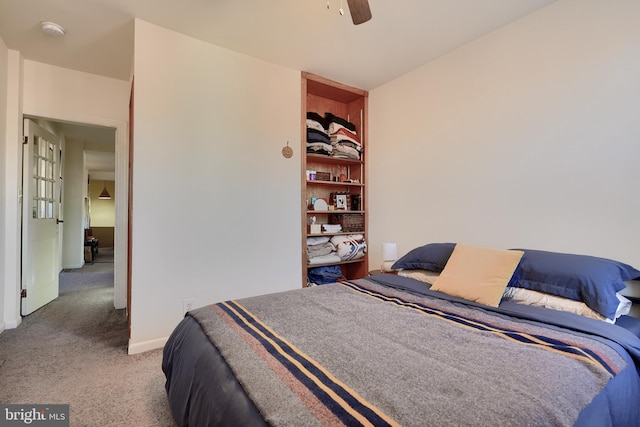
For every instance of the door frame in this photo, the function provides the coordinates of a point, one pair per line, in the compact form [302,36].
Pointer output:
[121,235]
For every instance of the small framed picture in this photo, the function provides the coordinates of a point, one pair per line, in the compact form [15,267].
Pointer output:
[341,201]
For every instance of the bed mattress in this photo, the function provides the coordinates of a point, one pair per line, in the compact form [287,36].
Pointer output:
[386,351]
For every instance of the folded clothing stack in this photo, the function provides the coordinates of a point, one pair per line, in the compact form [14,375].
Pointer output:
[320,250]
[332,136]
[344,140]
[318,139]
[325,250]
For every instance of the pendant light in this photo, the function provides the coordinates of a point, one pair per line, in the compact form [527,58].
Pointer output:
[105,193]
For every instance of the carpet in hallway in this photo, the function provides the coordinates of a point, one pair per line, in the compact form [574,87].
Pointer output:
[74,351]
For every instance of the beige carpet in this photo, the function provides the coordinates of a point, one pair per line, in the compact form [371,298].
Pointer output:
[74,351]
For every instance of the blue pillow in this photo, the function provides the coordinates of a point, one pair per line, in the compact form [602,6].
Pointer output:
[433,257]
[594,281]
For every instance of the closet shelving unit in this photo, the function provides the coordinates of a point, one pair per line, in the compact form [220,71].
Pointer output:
[322,95]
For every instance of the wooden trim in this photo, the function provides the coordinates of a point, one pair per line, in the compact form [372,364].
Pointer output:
[303,178]
[129,207]
[332,87]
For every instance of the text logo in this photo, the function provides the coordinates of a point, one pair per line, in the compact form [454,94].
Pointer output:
[34,415]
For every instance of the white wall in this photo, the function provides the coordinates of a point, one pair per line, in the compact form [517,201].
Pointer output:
[60,93]
[75,184]
[12,164]
[528,137]
[102,210]
[210,125]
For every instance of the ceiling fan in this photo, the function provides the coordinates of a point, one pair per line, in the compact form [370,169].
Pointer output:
[360,11]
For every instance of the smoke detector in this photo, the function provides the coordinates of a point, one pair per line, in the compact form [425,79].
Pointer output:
[52,29]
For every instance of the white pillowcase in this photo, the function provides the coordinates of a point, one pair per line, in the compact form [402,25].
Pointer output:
[540,299]
[425,276]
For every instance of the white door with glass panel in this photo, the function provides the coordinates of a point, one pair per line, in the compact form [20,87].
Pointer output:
[40,217]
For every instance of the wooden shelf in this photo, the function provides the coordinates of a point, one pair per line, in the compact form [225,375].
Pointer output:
[338,211]
[321,95]
[341,233]
[335,184]
[352,261]
[319,158]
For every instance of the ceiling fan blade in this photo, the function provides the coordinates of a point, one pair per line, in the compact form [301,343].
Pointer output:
[360,11]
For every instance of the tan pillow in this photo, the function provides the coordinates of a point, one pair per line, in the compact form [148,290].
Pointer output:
[478,274]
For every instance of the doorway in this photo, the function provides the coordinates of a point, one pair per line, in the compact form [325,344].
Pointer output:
[98,150]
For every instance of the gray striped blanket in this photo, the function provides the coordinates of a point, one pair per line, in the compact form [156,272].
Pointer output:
[359,353]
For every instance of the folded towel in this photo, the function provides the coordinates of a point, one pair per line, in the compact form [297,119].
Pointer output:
[327,259]
[320,250]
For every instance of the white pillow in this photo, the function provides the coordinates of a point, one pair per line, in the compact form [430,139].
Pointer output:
[541,299]
[425,276]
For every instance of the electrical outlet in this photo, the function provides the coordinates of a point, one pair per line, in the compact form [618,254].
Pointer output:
[187,305]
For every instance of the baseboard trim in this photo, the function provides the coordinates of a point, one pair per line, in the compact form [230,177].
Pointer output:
[141,347]
[10,324]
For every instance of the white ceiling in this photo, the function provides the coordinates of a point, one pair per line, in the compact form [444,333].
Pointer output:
[307,35]
[99,147]
[301,34]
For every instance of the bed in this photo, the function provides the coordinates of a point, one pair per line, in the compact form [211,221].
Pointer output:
[392,349]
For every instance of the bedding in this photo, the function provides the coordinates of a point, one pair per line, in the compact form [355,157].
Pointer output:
[525,296]
[594,281]
[541,299]
[632,324]
[432,257]
[385,350]
[425,276]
